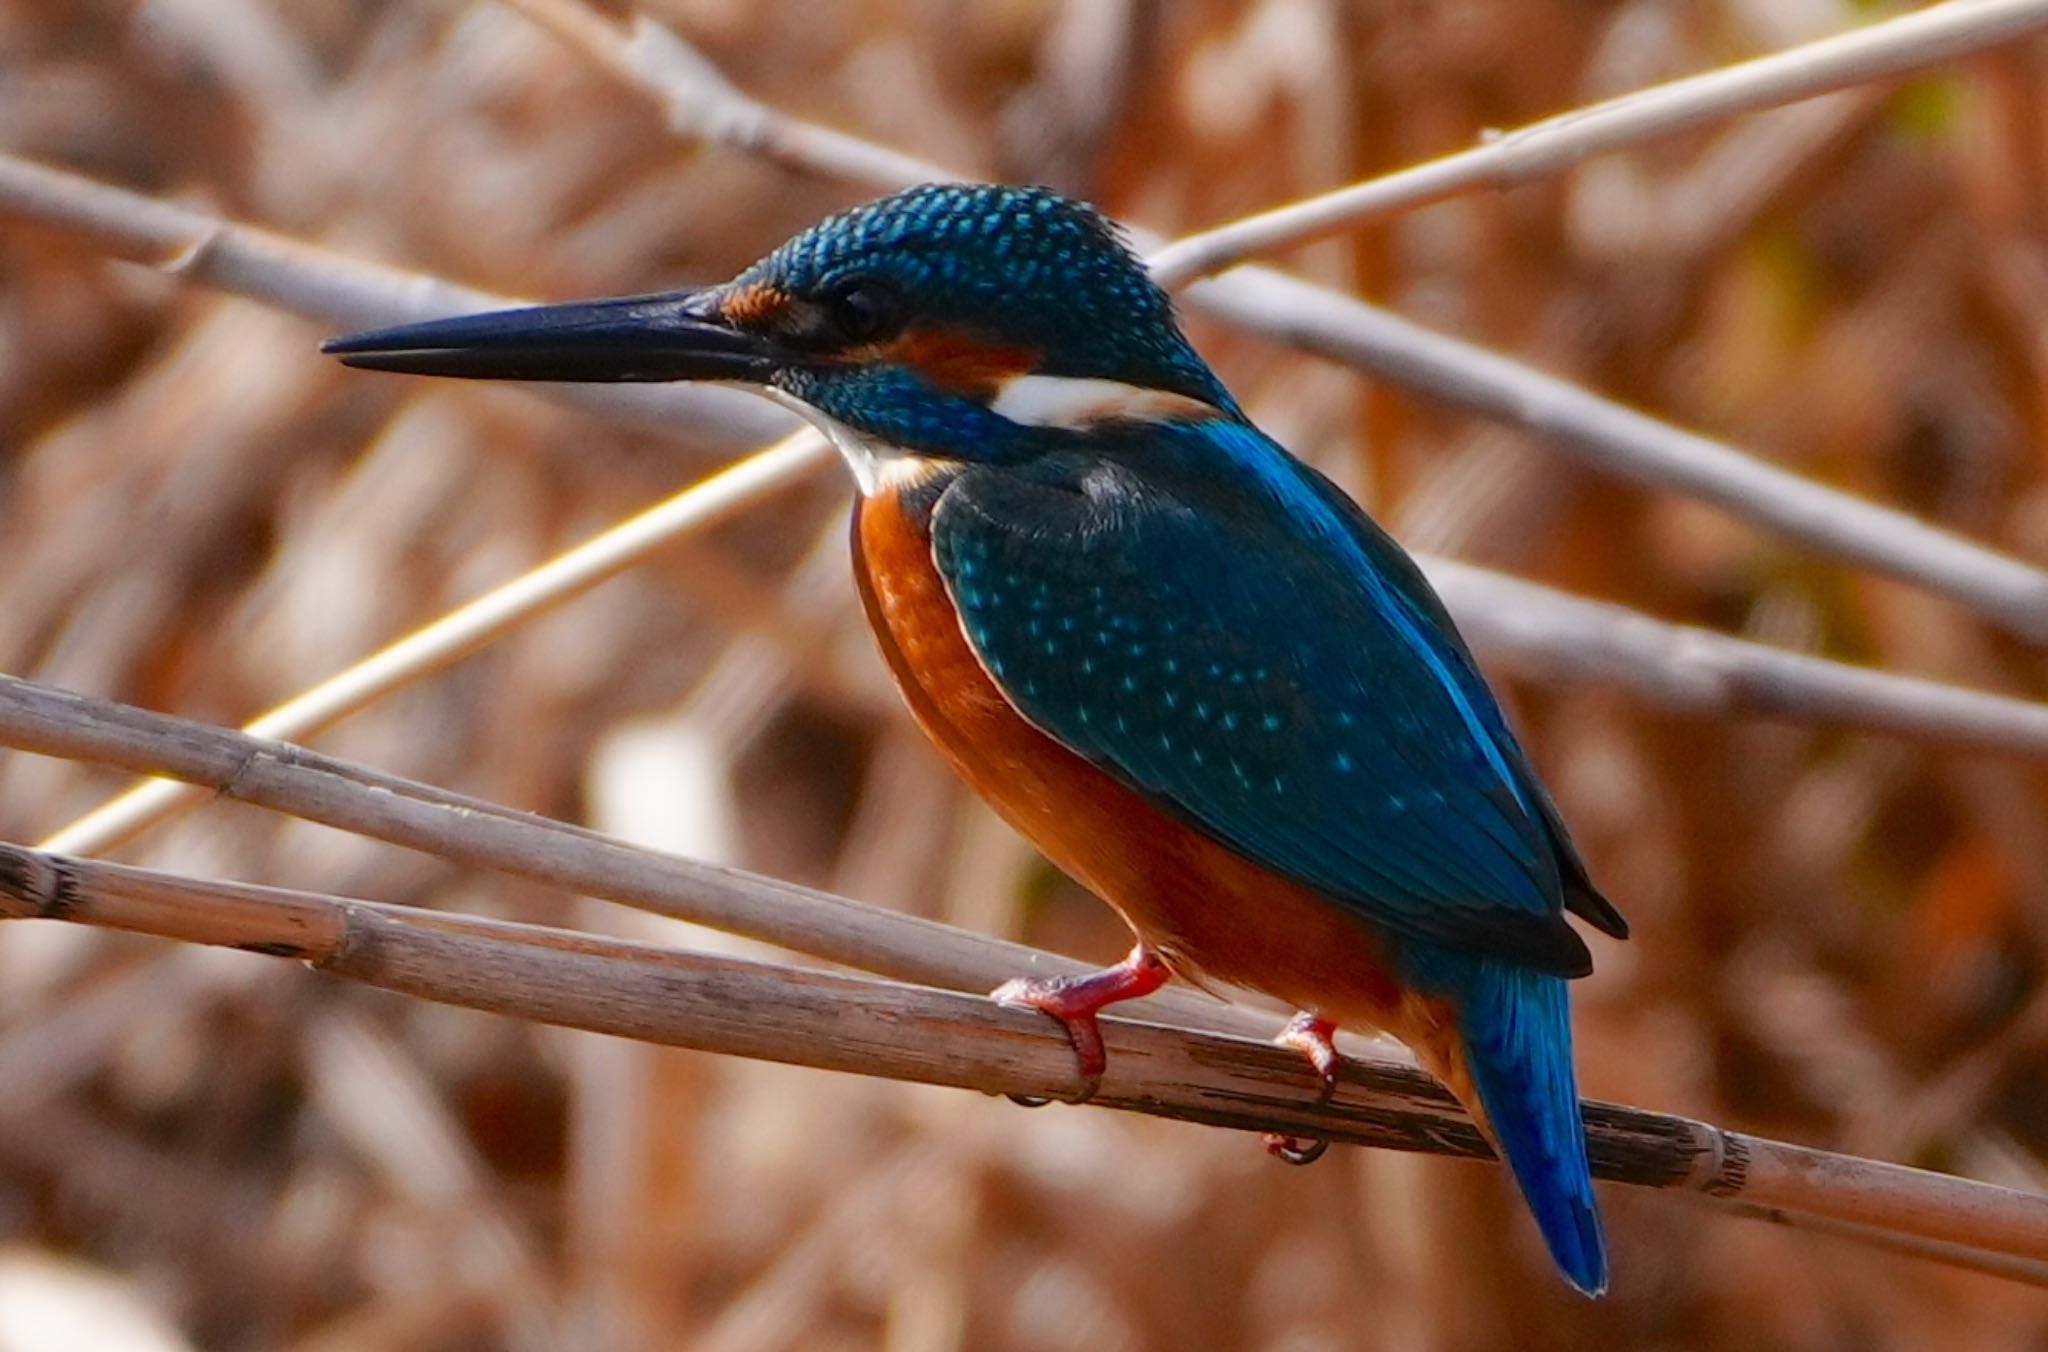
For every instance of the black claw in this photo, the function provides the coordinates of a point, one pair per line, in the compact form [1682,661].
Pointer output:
[1292,1150]
[1089,1085]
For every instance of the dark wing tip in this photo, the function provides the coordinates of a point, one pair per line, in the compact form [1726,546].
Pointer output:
[1573,959]
[1543,943]
[1585,902]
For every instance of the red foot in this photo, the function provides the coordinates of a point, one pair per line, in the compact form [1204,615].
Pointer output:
[1074,1001]
[1312,1035]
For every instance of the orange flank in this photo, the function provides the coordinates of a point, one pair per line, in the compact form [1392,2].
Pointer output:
[1206,911]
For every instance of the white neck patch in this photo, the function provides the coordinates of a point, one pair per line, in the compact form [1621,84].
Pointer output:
[876,465]
[1070,403]
[1076,403]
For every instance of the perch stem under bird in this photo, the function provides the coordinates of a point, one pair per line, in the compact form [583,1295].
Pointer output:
[1180,661]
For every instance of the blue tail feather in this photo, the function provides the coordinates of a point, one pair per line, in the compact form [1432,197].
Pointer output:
[1518,1050]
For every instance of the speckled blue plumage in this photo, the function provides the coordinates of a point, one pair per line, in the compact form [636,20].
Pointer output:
[1022,265]
[1214,624]
[1181,660]
[1209,621]
[1191,611]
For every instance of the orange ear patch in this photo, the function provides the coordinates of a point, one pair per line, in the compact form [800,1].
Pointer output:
[756,306]
[959,362]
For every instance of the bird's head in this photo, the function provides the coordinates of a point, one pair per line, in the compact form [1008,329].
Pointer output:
[973,322]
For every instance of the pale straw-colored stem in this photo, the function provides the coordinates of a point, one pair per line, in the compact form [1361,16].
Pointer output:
[462,631]
[1881,51]
[1569,419]
[933,1036]
[338,290]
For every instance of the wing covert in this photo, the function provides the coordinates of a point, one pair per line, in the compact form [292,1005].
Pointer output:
[1238,671]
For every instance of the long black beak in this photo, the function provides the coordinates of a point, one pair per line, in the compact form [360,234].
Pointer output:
[677,335]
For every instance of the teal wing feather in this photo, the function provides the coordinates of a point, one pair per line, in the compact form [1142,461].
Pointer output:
[1225,645]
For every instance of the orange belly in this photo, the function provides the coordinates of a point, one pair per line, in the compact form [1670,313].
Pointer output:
[1205,910]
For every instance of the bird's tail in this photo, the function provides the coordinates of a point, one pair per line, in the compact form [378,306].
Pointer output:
[1515,1027]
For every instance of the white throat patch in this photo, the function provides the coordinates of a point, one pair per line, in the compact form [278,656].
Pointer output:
[1070,403]
[1075,403]
[876,465]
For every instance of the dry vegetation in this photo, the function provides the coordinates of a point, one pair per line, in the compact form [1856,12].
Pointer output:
[1842,939]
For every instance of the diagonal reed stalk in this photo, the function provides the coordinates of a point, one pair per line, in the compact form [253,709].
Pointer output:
[936,1036]
[1946,1219]
[467,628]
[852,1024]
[1569,419]
[1532,628]
[1881,51]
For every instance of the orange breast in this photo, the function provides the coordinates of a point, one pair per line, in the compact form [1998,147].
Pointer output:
[1203,908]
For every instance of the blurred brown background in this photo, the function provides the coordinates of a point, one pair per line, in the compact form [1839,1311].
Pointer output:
[1841,939]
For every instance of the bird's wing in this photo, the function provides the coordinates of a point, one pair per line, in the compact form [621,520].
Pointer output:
[1248,670]
[1402,575]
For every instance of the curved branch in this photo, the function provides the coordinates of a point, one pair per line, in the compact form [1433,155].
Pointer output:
[864,1026]
[473,831]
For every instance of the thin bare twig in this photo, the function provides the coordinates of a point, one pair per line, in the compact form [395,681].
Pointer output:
[469,627]
[486,835]
[348,293]
[1613,438]
[703,105]
[871,1027]
[1608,436]
[437,821]
[1880,51]
[1633,446]
[1553,636]
[1534,630]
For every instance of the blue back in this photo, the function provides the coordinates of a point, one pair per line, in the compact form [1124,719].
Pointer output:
[1214,624]
[1189,608]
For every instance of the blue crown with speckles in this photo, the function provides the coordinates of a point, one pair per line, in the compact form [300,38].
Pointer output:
[1019,265]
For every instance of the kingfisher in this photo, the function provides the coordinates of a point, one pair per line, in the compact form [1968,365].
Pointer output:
[1181,661]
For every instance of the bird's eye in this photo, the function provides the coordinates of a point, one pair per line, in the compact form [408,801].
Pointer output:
[865,310]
